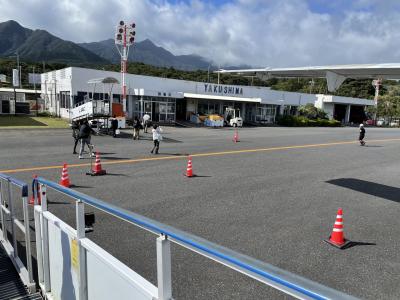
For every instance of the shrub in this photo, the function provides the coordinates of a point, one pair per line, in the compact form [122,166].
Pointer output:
[301,121]
[45,114]
[311,112]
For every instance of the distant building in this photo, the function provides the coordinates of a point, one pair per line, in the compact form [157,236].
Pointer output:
[170,100]
[26,100]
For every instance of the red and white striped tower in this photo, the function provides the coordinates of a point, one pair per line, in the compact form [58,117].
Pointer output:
[124,38]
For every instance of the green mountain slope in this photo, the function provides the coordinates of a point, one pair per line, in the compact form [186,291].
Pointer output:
[39,45]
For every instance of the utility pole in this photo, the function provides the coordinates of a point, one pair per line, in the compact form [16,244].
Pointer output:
[219,68]
[377,84]
[15,79]
[55,99]
[34,87]
[19,70]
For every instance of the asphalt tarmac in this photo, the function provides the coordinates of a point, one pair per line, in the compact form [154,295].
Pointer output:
[273,196]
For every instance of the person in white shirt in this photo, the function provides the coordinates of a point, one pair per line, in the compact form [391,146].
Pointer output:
[157,137]
[146,122]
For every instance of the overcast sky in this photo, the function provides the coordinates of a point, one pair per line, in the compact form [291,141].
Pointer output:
[276,33]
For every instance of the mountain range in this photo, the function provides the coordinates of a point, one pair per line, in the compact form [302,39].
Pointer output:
[147,52]
[39,45]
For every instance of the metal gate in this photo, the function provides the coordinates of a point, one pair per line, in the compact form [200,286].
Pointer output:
[10,223]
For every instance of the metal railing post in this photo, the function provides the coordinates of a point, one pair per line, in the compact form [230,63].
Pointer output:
[12,217]
[28,241]
[35,192]
[45,240]
[80,230]
[164,280]
[2,203]
[38,235]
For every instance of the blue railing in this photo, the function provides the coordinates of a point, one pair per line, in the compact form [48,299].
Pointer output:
[285,281]
[17,182]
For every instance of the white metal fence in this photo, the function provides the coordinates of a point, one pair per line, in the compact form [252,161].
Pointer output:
[71,266]
[10,224]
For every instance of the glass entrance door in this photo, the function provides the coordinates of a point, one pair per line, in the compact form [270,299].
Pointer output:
[166,111]
[266,114]
[147,109]
[163,111]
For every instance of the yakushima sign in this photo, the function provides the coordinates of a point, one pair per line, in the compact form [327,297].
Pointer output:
[223,89]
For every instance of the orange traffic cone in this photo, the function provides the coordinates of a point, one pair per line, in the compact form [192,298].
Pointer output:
[236,136]
[64,177]
[97,170]
[189,169]
[32,198]
[337,237]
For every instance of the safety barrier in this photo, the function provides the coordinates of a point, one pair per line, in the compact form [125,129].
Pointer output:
[8,213]
[90,109]
[67,249]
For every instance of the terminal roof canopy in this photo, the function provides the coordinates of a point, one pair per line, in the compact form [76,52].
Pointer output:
[335,75]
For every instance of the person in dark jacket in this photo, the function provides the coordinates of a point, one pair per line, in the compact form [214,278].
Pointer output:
[136,128]
[85,133]
[114,125]
[362,135]
[75,134]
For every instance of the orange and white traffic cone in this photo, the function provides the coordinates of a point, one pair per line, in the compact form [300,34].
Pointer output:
[236,136]
[32,198]
[64,177]
[97,170]
[189,169]
[337,237]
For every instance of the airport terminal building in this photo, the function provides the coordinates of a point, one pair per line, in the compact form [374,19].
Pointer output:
[171,100]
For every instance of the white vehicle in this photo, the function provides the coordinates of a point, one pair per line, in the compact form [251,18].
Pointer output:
[232,117]
[96,123]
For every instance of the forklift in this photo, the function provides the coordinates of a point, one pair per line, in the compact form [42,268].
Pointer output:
[232,117]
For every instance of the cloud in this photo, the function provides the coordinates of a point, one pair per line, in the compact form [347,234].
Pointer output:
[253,32]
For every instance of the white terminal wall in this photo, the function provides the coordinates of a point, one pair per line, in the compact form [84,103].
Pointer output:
[75,79]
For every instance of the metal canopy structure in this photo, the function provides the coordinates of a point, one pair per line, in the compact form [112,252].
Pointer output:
[335,74]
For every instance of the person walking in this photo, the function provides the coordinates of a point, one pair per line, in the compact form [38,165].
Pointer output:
[85,132]
[157,137]
[114,126]
[75,134]
[362,135]
[146,122]
[136,128]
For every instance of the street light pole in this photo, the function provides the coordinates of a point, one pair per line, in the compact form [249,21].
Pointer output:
[15,101]
[377,84]
[34,87]
[19,70]
[219,68]
[19,82]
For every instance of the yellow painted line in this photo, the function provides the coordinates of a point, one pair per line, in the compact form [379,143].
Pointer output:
[128,161]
